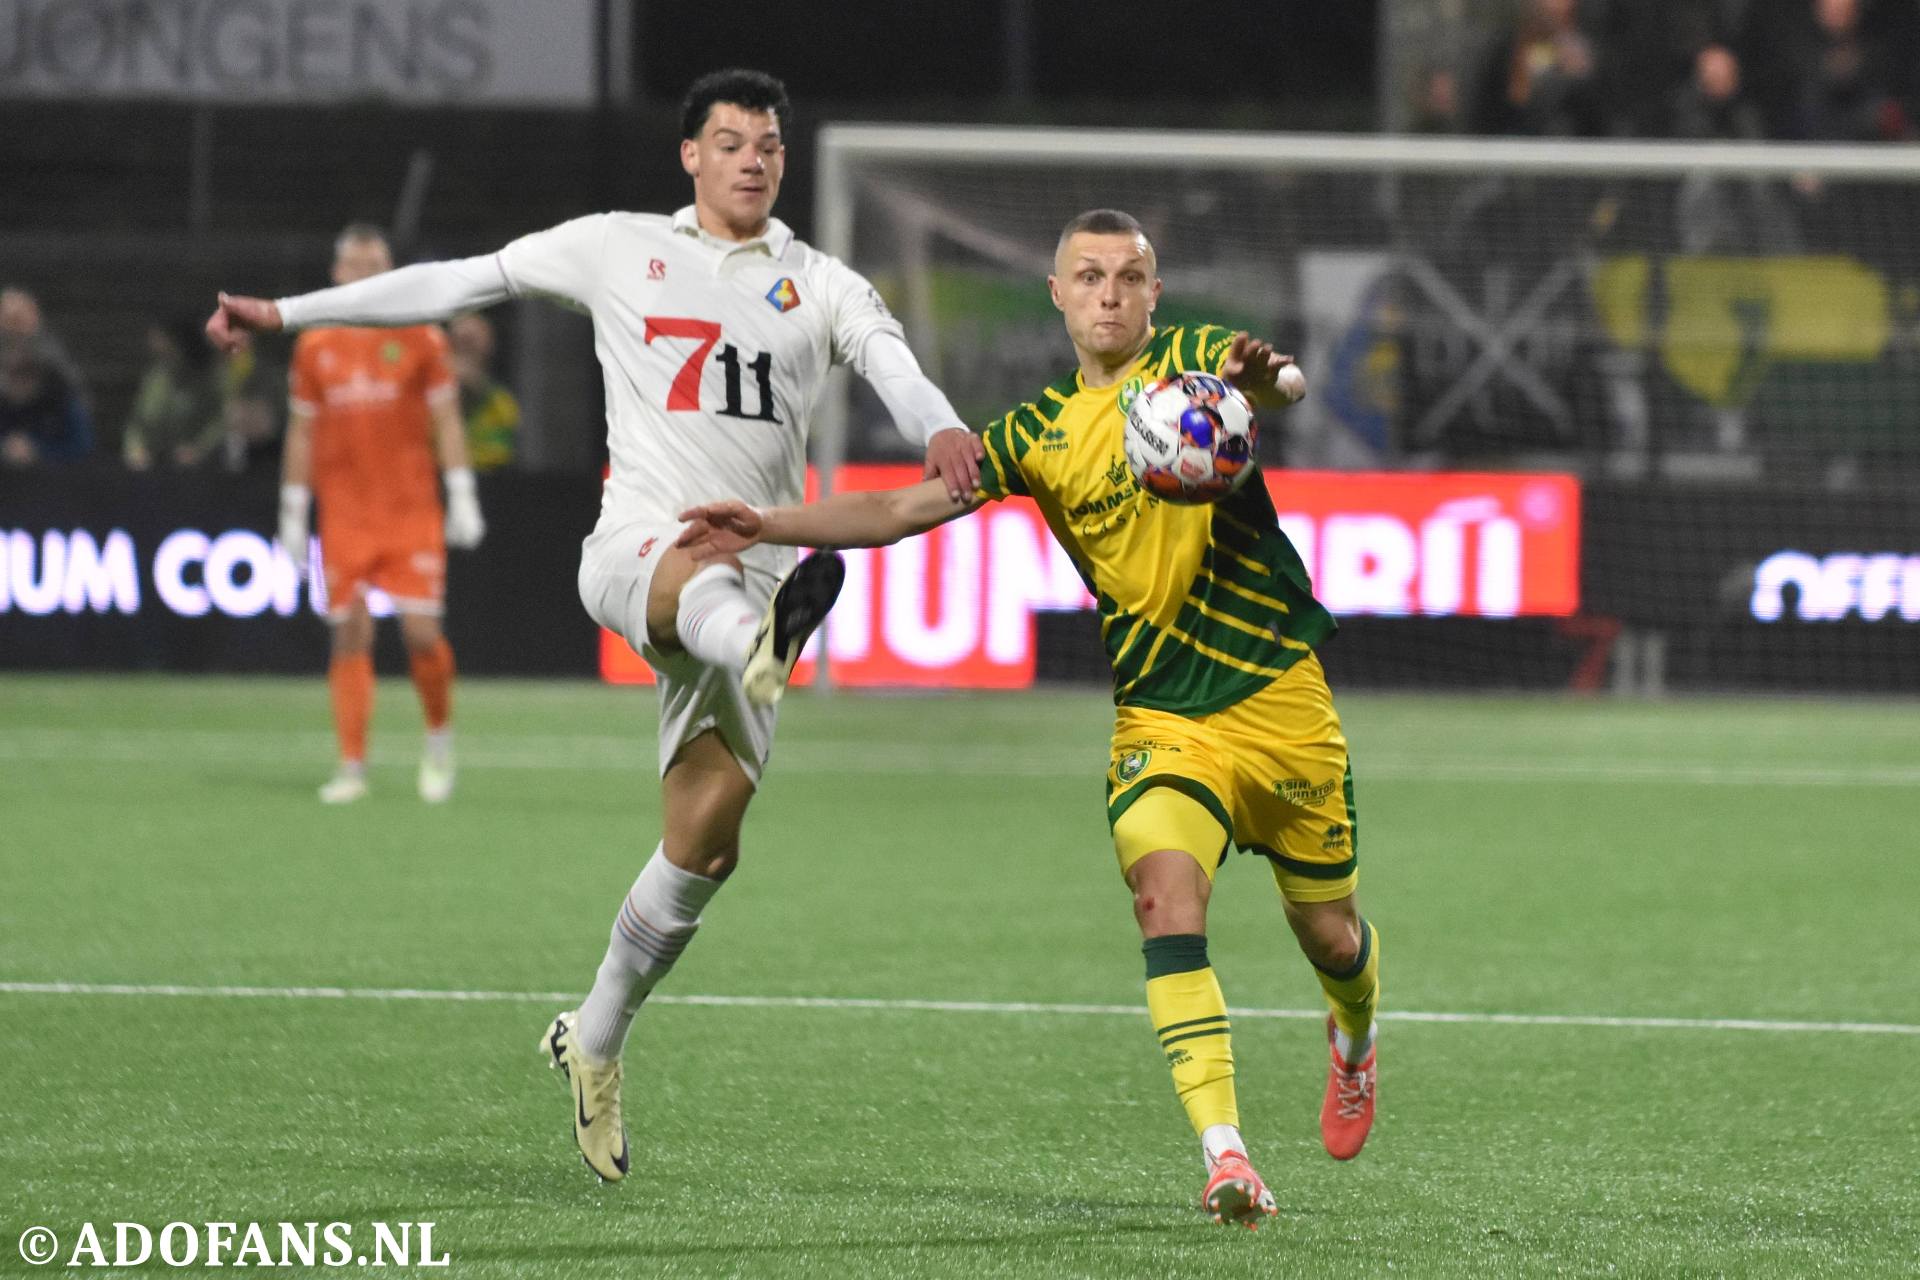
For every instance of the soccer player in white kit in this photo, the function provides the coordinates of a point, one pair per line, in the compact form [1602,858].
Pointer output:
[715,329]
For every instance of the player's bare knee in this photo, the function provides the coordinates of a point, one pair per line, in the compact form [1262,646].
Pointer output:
[718,864]
[420,632]
[1338,951]
[1169,893]
[714,858]
[352,635]
[1156,913]
[1329,932]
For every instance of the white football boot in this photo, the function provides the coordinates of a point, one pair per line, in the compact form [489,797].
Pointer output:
[436,774]
[347,785]
[797,608]
[596,1101]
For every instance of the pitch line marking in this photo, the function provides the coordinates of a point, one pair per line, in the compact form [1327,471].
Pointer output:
[594,753]
[942,1006]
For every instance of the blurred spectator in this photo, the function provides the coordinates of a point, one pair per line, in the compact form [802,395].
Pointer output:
[20,318]
[1710,105]
[491,413]
[1436,104]
[252,397]
[42,417]
[1541,78]
[1656,53]
[1827,70]
[176,416]
[1750,214]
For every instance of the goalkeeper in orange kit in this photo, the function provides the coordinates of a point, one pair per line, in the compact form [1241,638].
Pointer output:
[369,409]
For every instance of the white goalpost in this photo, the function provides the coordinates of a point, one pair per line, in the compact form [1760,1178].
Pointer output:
[1637,315]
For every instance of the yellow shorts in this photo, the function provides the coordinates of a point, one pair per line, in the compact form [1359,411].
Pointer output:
[1271,769]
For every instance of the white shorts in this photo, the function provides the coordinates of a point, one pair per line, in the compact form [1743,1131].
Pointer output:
[616,573]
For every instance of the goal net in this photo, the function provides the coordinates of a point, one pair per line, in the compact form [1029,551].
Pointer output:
[1602,415]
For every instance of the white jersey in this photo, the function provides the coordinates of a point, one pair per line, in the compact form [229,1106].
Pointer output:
[714,352]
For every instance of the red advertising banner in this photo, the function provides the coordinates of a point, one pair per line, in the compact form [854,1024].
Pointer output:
[954,607]
[1436,543]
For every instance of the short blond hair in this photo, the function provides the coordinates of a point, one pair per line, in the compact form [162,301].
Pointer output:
[1102,222]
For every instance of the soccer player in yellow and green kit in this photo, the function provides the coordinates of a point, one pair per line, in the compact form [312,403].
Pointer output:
[1225,733]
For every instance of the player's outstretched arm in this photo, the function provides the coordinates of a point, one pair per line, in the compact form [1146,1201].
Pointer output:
[869,519]
[418,294]
[922,413]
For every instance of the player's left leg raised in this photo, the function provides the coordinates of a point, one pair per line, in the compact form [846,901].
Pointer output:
[707,610]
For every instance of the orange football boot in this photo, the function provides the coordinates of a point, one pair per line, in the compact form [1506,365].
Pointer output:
[1235,1193]
[1346,1115]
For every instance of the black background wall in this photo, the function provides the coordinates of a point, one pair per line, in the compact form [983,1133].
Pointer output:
[1675,563]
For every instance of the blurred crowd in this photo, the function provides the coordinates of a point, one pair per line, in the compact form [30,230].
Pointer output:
[1789,70]
[196,408]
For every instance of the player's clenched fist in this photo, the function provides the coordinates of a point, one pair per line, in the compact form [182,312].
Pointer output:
[236,317]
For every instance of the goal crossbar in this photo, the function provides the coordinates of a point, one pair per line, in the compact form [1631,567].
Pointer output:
[1010,145]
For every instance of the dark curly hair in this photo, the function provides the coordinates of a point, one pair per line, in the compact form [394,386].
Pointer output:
[754,90]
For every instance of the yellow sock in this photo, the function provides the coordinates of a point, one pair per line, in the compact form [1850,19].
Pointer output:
[1355,994]
[1190,1017]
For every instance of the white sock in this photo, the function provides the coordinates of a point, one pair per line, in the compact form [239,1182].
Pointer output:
[440,744]
[655,923]
[716,622]
[351,769]
[1220,1139]
[1350,1053]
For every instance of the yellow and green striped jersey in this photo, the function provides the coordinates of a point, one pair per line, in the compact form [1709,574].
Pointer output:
[1200,606]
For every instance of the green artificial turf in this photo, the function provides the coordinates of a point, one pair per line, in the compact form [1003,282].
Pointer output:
[1699,860]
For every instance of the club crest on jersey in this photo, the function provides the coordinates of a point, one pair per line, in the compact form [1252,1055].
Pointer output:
[656,269]
[390,352]
[1131,764]
[783,295]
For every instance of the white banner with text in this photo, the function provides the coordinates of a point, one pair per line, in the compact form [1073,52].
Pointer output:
[425,52]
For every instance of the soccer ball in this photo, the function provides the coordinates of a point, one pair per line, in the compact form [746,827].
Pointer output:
[1189,438]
